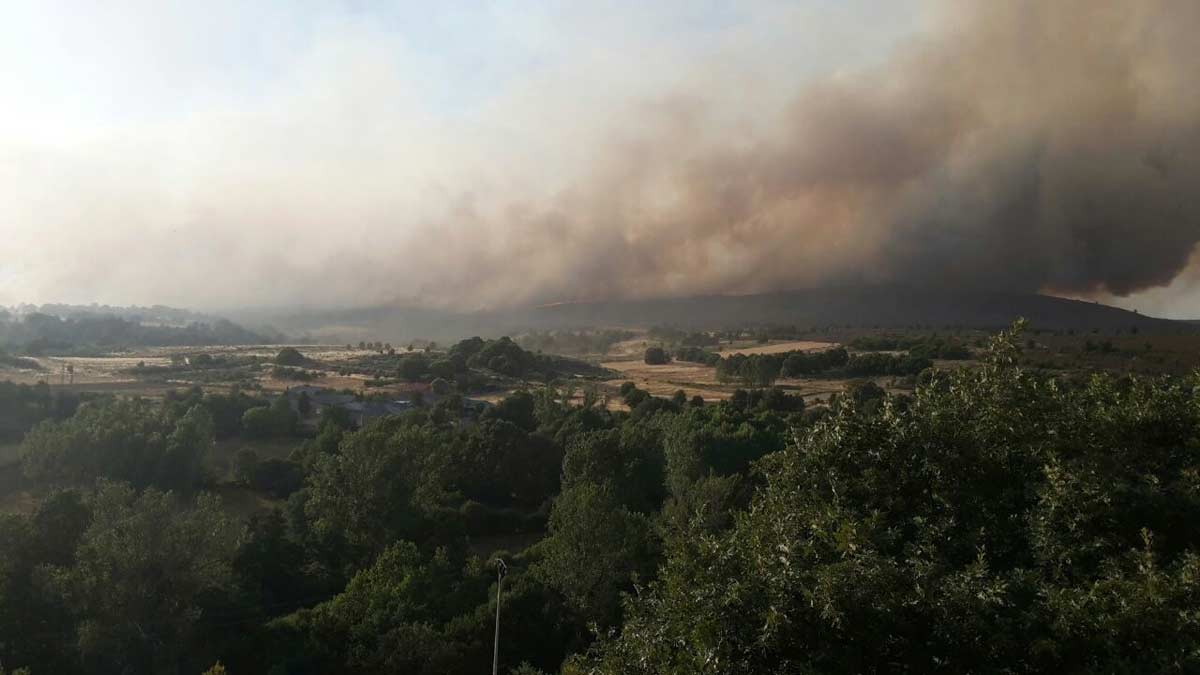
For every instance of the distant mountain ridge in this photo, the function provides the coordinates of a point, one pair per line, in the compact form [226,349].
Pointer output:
[868,307]
[64,328]
[858,306]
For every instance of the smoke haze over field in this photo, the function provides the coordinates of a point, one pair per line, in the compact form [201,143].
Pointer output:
[613,152]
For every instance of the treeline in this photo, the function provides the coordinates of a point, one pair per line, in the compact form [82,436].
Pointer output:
[991,523]
[22,406]
[155,314]
[502,356]
[367,568]
[928,347]
[994,521]
[696,355]
[573,342]
[683,338]
[764,369]
[37,334]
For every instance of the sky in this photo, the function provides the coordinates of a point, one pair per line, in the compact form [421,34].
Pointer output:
[475,154]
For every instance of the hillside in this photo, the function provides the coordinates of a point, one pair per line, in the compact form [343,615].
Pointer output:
[38,332]
[882,306]
[885,307]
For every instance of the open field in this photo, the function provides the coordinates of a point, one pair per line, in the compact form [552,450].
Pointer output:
[110,373]
[780,347]
[665,380]
[699,380]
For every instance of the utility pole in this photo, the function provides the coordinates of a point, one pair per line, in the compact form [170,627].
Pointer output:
[501,570]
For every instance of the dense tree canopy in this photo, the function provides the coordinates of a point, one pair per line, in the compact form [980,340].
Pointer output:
[995,520]
[997,523]
[128,440]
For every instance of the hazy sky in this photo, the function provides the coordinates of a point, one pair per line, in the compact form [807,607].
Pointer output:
[224,154]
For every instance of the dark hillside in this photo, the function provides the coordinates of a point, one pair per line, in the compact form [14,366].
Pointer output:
[884,307]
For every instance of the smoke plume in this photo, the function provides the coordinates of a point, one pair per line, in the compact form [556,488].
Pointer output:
[1026,146]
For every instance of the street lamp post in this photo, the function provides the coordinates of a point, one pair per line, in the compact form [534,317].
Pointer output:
[501,570]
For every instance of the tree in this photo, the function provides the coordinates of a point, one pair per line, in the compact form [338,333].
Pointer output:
[597,549]
[245,462]
[190,441]
[441,387]
[304,404]
[290,356]
[998,522]
[269,566]
[373,491]
[400,615]
[277,477]
[127,439]
[656,356]
[275,420]
[141,575]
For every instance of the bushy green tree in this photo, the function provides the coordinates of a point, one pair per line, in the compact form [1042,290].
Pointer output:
[275,420]
[996,523]
[290,356]
[596,550]
[656,356]
[399,615]
[130,440]
[376,489]
[143,572]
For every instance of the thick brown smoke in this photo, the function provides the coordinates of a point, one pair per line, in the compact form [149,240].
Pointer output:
[1024,146]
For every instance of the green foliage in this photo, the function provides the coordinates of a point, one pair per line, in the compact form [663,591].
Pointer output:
[874,365]
[696,355]
[573,342]
[23,405]
[227,411]
[400,615]
[763,369]
[997,523]
[290,356]
[40,333]
[33,621]
[629,459]
[498,462]
[507,358]
[656,356]
[276,477]
[142,573]
[271,568]
[273,421]
[994,521]
[294,374]
[377,488]
[128,440]
[928,347]
[597,549]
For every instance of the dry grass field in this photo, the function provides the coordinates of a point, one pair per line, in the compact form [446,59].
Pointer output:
[699,380]
[781,347]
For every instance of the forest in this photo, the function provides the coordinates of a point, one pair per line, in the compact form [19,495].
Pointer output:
[998,519]
[37,333]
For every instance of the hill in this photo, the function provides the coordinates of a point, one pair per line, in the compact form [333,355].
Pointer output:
[885,307]
[38,332]
[892,307]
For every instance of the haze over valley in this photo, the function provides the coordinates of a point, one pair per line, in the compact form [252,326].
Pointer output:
[599,338]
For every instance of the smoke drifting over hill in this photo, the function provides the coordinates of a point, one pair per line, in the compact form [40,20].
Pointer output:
[1016,146]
